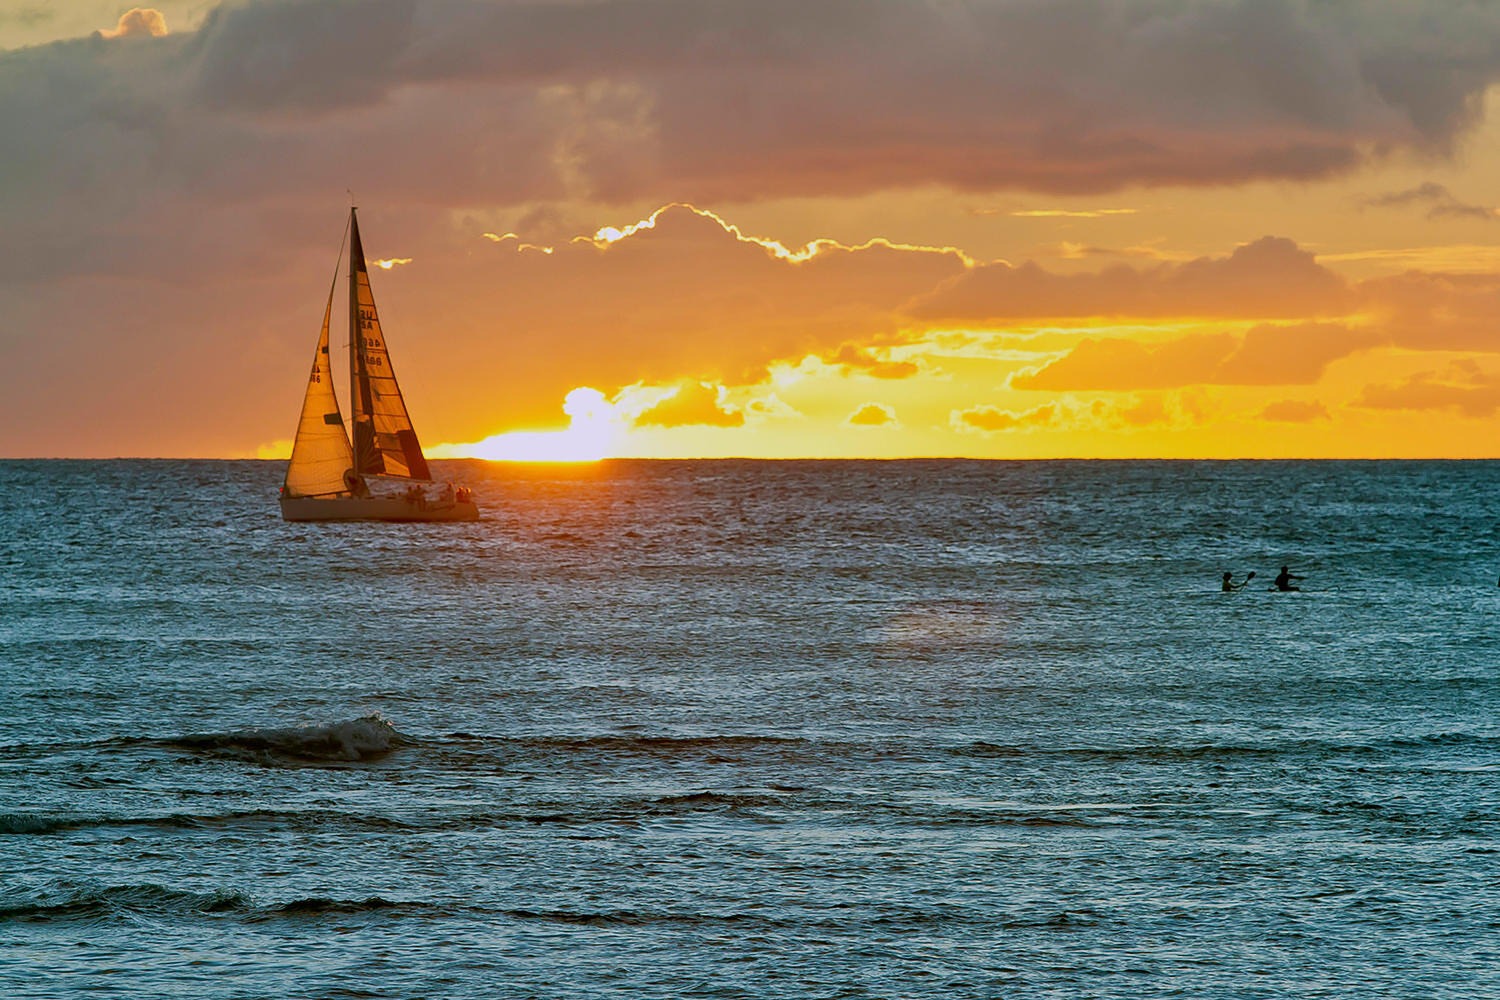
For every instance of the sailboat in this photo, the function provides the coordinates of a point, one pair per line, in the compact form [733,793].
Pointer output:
[327,477]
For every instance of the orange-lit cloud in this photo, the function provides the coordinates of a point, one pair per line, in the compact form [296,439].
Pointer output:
[872,415]
[1068,250]
[1265,355]
[687,297]
[1270,278]
[1437,311]
[692,403]
[991,419]
[540,162]
[1065,213]
[1463,388]
[139,22]
[1288,355]
[853,358]
[1150,408]
[1294,411]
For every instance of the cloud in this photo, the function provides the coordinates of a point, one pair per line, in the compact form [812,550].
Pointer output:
[1069,250]
[1265,355]
[139,22]
[28,16]
[1463,388]
[772,406]
[1427,311]
[459,103]
[1442,204]
[1116,364]
[1149,409]
[1294,411]
[693,403]
[1270,278]
[1428,191]
[853,358]
[1289,355]
[687,298]
[872,415]
[1066,213]
[992,419]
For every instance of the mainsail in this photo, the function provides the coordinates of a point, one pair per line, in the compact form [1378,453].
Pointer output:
[321,454]
[384,442]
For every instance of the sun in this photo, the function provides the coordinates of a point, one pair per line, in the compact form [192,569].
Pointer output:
[593,429]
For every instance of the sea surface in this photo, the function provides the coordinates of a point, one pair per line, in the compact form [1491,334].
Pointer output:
[749,729]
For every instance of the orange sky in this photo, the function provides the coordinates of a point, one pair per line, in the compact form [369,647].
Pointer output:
[1003,229]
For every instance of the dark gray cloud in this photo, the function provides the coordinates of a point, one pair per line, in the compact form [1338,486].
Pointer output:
[28,16]
[1440,202]
[503,103]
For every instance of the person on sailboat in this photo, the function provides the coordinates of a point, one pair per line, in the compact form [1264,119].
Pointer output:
[1229,586]
[355,484]
[1284,580]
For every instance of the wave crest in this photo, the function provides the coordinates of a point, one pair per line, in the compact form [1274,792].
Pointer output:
[100,903]
[363,739]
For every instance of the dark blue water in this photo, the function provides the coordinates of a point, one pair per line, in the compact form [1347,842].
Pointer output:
[749,729]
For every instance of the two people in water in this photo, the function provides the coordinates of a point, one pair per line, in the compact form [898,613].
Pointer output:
[1283,581]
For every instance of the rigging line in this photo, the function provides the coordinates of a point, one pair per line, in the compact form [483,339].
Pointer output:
[339,260]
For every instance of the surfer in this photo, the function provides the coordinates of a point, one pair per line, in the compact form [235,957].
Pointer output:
[1229,586]
[1284,580]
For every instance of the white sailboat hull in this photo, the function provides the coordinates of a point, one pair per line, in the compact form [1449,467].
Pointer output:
[376,509]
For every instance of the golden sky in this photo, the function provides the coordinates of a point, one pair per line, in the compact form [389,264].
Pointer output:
[1245,228]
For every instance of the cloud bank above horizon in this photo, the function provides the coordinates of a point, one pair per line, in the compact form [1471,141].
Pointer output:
[169,208]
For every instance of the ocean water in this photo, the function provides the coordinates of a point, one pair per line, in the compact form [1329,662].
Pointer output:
[754,729]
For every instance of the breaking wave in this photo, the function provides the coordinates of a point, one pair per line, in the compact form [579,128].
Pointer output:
[103,903]
[99,903]
[364,739]
[240,820]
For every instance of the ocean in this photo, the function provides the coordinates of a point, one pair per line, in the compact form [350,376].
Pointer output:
[744,729]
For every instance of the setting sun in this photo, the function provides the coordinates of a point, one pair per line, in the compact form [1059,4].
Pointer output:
[593,428]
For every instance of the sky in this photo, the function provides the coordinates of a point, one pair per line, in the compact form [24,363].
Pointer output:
[767,228]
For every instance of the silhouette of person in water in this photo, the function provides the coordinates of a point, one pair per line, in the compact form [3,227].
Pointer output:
[1229,586]
[1284,580]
